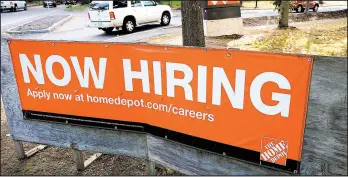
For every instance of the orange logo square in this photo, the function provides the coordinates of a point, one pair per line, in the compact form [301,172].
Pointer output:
[274,150]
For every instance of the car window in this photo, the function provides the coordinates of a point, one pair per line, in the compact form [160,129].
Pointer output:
[136,3]
[148,3]
[119,4]
[99,5]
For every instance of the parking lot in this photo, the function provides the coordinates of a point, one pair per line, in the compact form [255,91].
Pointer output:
[76,29]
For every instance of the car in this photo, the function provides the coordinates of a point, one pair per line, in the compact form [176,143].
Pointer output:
[13,5]
[70,2]
[300,6]
[126,15]
[59,2]
[49,3]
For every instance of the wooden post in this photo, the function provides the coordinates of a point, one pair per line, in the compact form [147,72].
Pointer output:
[19,149]
[78,158]
[35,150]
[151,168]
[91,159]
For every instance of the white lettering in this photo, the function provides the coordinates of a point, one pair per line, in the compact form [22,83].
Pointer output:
[129,75]
[26,64]
[89,67]
[220,79]
[157,76]
[202,84]
[283,106]
[184,83]
[66,69]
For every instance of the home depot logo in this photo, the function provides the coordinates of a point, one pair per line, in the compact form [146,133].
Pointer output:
[274,150]
[215,3]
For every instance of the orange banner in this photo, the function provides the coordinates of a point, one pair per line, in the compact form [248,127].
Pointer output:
[251,100]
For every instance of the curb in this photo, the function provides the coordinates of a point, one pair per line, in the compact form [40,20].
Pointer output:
[47,30]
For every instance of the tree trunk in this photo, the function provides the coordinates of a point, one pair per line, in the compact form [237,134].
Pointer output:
[256,4]
[307,7]
[284,14]
[192,23]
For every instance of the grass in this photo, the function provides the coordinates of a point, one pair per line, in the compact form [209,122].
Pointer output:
[260,4]
[175,4]
[35,3]
[324,38]
[77,7]
[329,39]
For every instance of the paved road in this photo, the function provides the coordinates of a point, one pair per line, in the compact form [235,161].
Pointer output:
[76,28]
[10,19]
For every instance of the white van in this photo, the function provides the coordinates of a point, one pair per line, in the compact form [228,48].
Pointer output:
[13,5]
[108,15]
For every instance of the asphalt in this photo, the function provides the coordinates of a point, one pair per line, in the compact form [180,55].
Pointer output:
[11,19]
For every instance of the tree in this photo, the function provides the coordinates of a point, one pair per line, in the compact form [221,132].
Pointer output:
[256,4]
[284,14]
[192,23]
[307,7]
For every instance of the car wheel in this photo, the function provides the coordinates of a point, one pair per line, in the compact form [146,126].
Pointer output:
[316,7]
[128,25]
[165,20]
[108,30]
[25,7]
[15,8]
[299,8]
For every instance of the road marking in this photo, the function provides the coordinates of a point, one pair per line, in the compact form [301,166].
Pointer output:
[29,18]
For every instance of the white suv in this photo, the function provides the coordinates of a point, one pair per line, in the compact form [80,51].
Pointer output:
[108,15]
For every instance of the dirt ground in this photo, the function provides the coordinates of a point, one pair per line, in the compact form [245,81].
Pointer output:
[59,161]
[303,38]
